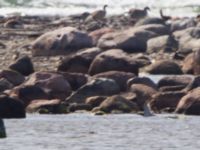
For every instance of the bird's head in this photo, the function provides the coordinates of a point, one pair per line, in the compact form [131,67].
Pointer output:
[147,8]
[104,7]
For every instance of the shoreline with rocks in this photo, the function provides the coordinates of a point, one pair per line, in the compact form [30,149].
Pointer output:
[59,65]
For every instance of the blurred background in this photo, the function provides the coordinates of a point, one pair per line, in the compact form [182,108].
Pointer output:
[68,7]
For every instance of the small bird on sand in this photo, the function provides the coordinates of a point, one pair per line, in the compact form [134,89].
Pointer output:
[138,13]
[97,15]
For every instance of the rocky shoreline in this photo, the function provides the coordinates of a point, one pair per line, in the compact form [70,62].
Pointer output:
[61,65]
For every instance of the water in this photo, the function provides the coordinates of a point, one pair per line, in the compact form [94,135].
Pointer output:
[110,132]
[68,7]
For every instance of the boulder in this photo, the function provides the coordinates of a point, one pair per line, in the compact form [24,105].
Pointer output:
[165,43]
[96,35]
[113,60]
[76,80]
[11,107]
[196,62]
[150,20]
[23,65]
[164,67]
[190,103]
[29,93]
[78,107]
[188,62]
[130,40]
[143,93]
[13,77]
[117,103]
[52,83]
[119,77]
[95,101]
[60,41]
[53,106]
[5,84]
[166,101]
[182,24]
[159,29]
[174,80]
[79,62]
[189,39]
[96,87]
[141,80]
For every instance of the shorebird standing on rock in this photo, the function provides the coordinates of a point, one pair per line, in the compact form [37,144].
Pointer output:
[97,15]
[138,13]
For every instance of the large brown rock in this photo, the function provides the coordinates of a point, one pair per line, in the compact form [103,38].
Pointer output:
[113,60]
[165,43]
[11,108]
[189,39]
[143,93]
[60,41]
[183,23]
[188,62]
[53,106]
[118,103]
[29,93]
[96,87]
[164,67]
[174,80]
[95,101]
[120,77]
[141,80]
[12,76]
[130,40]
[190,103]
[79,62]
[165,101]
[96,35]
[76,80]
[53,83]
[23,65]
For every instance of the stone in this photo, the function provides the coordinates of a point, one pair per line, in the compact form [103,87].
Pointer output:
[52,83]
[76,80]
[79,62]
[53,106]
[165,43]
[117,103]
[60,41]
[113,60]
[11,107]
[95,101]
[190,103]
[13,77]
[130,40]
[165,67]
[166,101]
[120,77]
[23,65]
[141,80]
[143,93]
[96,87]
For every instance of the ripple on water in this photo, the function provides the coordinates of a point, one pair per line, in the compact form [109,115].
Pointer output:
[88,132]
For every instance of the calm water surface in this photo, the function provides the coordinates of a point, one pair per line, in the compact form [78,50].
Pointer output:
[109,132]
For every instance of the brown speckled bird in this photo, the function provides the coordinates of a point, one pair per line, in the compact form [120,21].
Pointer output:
[138,13]
[98,15]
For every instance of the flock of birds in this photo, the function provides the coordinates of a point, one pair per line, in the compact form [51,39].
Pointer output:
[99,15]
